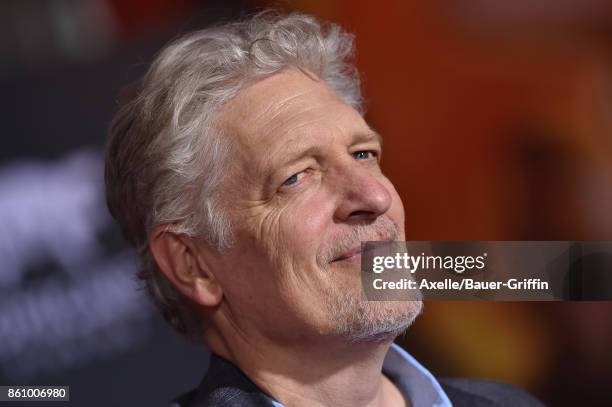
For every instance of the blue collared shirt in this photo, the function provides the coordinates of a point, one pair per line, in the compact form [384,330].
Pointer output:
[416,383]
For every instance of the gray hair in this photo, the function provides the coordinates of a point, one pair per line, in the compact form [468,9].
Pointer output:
[166,154]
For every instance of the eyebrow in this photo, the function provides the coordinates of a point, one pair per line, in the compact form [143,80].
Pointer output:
[370,135]
[361,137]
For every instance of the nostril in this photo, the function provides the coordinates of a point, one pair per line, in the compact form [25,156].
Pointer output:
[362,214]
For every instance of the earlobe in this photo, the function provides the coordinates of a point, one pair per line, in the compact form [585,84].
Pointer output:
[209,292]
[179,259]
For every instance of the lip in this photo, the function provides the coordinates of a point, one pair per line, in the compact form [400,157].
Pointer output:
[354,254]
[351,255]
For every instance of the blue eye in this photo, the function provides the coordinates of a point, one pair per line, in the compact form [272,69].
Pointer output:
[363,155]
[291,180]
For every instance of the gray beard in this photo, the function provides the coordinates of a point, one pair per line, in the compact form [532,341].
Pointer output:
[359,321]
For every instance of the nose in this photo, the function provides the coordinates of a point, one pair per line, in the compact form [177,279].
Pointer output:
[363,197]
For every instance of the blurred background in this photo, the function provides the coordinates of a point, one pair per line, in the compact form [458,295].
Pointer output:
[497,119]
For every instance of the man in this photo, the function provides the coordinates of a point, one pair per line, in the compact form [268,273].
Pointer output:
[246,177]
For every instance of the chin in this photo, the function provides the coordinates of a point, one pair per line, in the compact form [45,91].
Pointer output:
[374,321]
[389,319]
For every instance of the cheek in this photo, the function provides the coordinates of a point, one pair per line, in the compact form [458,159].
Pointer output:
[303,226]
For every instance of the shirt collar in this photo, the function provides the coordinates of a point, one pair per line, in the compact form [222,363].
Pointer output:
[416,383]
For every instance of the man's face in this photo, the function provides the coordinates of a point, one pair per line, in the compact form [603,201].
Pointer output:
[303,189]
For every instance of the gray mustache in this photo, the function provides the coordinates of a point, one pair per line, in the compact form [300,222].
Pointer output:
[381,229]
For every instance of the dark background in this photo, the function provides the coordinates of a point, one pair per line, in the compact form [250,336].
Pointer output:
[497,124]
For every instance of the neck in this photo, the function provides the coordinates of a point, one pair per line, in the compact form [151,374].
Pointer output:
[322,372]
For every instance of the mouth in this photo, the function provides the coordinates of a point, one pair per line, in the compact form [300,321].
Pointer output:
[352,255]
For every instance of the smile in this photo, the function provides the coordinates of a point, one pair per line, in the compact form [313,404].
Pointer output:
[351,256]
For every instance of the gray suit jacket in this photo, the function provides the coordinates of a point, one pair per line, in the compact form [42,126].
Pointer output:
[225,385]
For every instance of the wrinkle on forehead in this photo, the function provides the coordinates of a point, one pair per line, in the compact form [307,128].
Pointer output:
[274,108]
[283,110]
[273,101]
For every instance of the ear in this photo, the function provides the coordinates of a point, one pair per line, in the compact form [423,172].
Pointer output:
[179,258]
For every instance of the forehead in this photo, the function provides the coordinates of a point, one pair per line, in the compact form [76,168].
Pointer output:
[286,107]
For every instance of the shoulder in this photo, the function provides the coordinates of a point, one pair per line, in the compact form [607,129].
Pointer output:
[224,385]
[222,397]
[481,393]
